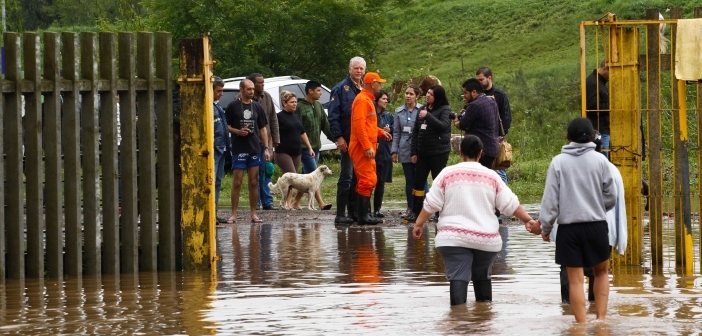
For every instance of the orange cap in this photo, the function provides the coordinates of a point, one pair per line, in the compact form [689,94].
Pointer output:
[372,77]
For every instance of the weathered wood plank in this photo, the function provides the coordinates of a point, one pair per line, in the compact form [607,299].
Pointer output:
[52,152]
[70,136]
[3,266]
[128,181]
[167,226]
[91,166]
[147,155]
[655,163]
[33,158]
[109,126]
[14,198]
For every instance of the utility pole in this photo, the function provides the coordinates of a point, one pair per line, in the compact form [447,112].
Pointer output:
[3,16]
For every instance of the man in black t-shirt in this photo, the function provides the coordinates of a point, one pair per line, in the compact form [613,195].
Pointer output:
[247,122]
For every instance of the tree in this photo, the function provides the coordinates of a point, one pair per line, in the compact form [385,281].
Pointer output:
[311,39]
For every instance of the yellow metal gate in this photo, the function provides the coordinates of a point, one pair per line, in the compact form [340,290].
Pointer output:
[653,116]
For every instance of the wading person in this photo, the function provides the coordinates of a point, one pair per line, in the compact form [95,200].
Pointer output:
[617,231]
[247,122]
[342,97]
[383,161]
[315,121]
[579,191]
[292,138]
[405,117]
[431,144]
[468,237]
[221,139]
[364,142]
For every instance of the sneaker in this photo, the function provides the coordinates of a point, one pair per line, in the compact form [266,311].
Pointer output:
[434,218]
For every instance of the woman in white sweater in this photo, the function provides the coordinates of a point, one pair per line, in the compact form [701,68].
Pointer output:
[466,196]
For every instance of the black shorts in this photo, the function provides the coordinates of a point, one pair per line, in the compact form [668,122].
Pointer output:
[582,244]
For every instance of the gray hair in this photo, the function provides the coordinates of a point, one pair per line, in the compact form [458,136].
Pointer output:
[357,59]
[217,82]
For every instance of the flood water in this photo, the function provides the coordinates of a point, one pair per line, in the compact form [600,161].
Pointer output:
[324,279]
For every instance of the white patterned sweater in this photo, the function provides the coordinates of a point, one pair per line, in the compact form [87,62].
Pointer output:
[466,195]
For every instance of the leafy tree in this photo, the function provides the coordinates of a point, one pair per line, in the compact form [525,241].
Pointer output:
[312,39]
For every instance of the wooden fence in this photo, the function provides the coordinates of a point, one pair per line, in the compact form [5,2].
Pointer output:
[63,166]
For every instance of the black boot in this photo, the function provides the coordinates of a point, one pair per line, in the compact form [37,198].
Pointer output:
[353,205]
[459,292]
[341,201]
[378,214]
[483,290]
[363,206]
[565,286]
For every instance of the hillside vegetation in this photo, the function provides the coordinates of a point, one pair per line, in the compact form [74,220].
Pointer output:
[531,46]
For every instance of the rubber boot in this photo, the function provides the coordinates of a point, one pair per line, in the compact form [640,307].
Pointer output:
[483,290]
[341,202]
[459,292]
[364,217]
[353,205]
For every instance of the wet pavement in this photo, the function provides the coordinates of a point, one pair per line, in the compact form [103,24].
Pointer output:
[306,276]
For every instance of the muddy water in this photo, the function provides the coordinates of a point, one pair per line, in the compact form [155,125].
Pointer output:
[313,279]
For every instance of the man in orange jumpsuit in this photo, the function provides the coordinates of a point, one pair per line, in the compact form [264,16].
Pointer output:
[364,143]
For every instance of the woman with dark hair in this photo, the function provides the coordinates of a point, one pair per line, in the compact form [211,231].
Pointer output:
[383,162]
[405,117]
[580,189]
[292,136]
[468,237]
[431,144]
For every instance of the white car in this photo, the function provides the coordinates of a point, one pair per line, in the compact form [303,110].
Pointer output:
[274,85]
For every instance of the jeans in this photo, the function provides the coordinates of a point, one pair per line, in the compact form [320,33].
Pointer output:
[503,175]
[605,144]
[408,169]
[309,164]
[219,173]
[264,193]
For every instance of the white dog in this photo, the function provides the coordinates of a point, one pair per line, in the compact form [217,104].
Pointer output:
[304,183]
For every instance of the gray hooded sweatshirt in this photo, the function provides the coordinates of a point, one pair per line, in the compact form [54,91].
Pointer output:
[579,187]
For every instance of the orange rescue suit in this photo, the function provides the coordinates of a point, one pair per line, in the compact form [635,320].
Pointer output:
[364,135]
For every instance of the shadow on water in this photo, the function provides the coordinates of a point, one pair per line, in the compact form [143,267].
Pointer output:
[315,278]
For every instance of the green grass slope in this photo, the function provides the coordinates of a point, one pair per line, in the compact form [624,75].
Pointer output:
[533,48]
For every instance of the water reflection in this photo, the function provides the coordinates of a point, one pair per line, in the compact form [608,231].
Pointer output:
[318,278]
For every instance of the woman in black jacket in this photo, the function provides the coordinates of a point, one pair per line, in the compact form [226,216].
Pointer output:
[431,143]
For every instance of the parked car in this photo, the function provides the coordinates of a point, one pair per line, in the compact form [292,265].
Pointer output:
[274,85]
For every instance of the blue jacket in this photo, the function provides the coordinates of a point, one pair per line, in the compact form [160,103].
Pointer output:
[339,108]
[383,153]
[402,132]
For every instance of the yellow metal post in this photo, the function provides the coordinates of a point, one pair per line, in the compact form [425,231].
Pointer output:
[625,132]
[197,159]
[683,222]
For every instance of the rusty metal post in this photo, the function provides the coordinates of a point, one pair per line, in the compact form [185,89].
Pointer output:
[197,161]
[681,165]
[625,148]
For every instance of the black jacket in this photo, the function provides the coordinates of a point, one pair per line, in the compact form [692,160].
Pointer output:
[596,87]
[502,106]
[435,138]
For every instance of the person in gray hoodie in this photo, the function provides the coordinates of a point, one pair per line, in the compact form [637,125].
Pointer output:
[579,191]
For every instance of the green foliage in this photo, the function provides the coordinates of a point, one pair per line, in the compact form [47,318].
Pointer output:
[312,39]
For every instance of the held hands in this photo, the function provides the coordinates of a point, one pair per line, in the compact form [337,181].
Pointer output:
[533,226]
